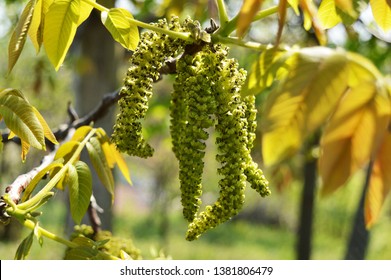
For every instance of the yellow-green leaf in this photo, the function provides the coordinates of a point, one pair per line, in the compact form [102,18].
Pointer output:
[61,22]
[36,28]
[81,133]
[37,178]
[352,135]
[85,11]
[295,6]
[310,15]
[66,150]
[246,15]
[80,190]
[380,182]
[18,37]
[264,71]
[117,22]
[25,150]
[314,83]
[100,164]
[46,129]
[20,118]
[381,10]
[328,15]
[121,164]
[282,7]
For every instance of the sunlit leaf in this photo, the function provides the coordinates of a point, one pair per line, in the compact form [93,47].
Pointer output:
[85,11]
[25,149]
[380,182]
[310,14]
[37,178]
[327,14]
[123,31]
[381,10]
[352,135]
[66,150]
[46,129]
[295,6]
[81,133]
[314,83]
[121,164]
[18,37]
[282,6]
[24,247]
[36,28]
[20,118]
[61,22]
[100,164]
[80,190]
[264,71]
[246,15]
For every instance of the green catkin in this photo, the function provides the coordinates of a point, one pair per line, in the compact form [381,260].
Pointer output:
[236,128]
[206,94]
[191,109]
[145,63]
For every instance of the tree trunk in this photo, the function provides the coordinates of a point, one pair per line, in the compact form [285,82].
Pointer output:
[359,237]
[304,235]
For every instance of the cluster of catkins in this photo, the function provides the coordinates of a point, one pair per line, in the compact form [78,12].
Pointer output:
[206,95]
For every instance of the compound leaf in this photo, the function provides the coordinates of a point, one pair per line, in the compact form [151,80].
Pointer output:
[20,118]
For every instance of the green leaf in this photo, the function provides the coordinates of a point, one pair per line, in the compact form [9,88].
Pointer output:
[123,31]
[18,37]
[20,118]
[24,247]
[381,10]
[38,234]
[80,190]
[61,22]
[100,164]
[37,23]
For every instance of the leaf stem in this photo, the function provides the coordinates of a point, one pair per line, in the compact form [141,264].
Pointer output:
[223,16]
[231,25]
[238,42]
[33,226]
[52,183]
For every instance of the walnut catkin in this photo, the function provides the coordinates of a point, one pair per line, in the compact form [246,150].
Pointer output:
[206,94]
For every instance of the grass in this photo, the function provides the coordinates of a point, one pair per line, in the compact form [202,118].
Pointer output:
[237,239]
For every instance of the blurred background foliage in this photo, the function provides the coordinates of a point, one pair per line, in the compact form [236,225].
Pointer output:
[149,212]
